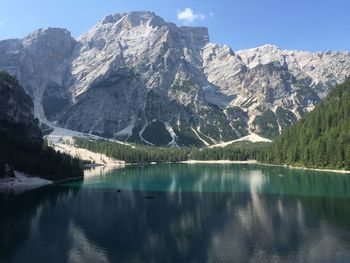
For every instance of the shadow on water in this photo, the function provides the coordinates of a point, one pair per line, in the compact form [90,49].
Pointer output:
[21,215]
[198,214]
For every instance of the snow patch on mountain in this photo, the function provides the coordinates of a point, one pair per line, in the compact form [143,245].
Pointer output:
[199,137]
[131,68]
[250,138]
[172,134]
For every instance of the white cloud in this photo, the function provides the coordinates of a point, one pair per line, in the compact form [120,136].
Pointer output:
[188,15]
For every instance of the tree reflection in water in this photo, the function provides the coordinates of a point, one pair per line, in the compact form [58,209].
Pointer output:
[241,214]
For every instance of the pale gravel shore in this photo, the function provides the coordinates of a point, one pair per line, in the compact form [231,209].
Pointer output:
[22,182]
[306,168]
[100,170]
[219,162]
[265,164]
[86,155]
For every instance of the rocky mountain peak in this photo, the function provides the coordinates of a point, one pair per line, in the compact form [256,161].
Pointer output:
[149,19]
[262,55]
[112,19]
[52,44]
[134,19]
[197,35]
[133,74]
[49,34]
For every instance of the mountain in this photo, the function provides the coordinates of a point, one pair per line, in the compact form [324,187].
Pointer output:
[17,107]
[21,144]
[136,77]
[321,139]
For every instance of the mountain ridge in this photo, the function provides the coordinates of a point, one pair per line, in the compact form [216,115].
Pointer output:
[133,73]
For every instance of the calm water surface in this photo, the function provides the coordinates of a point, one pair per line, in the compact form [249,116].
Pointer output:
[193,213]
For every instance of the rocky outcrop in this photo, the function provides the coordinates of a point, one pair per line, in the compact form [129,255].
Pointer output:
[22,147]
[16,115]
[134,73]
[41,62]
[16,107]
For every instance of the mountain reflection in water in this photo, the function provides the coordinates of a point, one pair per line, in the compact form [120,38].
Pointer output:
[200,213]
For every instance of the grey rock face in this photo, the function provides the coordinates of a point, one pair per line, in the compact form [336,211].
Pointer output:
[16,107]
[134,73]
[39,61]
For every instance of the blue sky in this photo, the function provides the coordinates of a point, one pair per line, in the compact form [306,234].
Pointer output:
[291,24]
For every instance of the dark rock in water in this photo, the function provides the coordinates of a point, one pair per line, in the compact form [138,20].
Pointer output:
[119,190]
[149,197]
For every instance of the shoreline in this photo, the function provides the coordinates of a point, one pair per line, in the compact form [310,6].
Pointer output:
[306,168]
[265,164]
[218,162]
[23,182]
[245,162]
[66,180]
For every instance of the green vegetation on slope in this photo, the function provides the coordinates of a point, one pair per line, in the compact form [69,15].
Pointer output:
[157,133]
[285,117]
[21,145]
[266,124]
[145,154]
[139,154]
[321,139]
[240,151]
[33,157]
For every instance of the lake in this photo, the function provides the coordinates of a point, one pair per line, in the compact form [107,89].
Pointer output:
[182,213]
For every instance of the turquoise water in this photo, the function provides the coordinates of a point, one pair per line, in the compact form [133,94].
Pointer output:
[222,178]
[182,213]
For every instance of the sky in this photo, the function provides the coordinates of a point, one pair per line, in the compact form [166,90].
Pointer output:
[314,25]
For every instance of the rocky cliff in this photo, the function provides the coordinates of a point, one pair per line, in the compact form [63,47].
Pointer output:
[133,75]
[22,147]
[16,107]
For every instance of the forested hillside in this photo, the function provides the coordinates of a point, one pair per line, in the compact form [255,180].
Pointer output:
[21,145]
[321,139]
[156,76]
[145,154]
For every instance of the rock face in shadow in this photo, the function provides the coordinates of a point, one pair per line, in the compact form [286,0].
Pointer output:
[22,147]
[132,70]
[16,107]
[16,115]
